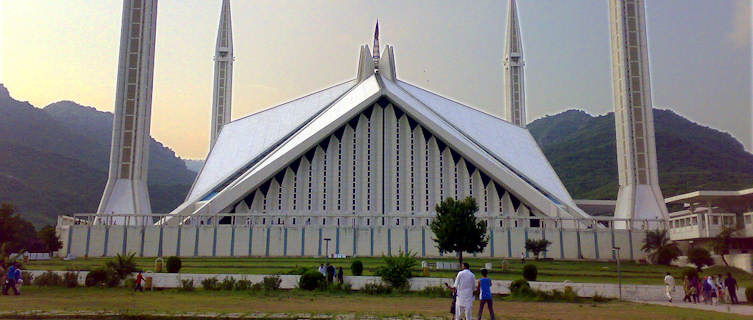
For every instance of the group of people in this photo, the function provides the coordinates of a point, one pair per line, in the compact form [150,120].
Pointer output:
[708,290]
[464,292]
[11,279]
[330,273]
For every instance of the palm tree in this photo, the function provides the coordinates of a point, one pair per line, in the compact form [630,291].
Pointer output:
[660,249]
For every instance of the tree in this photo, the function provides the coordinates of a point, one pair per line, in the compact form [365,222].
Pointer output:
[659,248]
[17,233]
[122,265]
[537,246]
[457,229]
[398,269]
[700,257]
[722,242]
[49,237]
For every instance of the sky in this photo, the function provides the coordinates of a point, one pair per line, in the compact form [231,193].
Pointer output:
[700,55]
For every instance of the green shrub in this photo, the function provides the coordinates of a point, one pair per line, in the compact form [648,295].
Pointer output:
[228,283]
[257,286]
[70,280]
[173,264]
[749,294]
[298,271]
[688,272]
[96,277]
[520,287]
[397,270]
[187,285]
[241,285]
[27,277]
[373,288]
[530,272]
[356,268]
[210,284]
[335,287]
[122,265]
[599,298]
[436,291]
[271,283]
[48,279]
[310,280]
[113,278]
[700,257]
[129,283]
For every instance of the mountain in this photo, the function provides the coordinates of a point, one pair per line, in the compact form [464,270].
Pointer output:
[54,161]
[691,157]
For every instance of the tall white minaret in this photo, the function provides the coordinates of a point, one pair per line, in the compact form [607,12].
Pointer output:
[639,196]
[126,190]
[375,54]
[515,93]
[223,73]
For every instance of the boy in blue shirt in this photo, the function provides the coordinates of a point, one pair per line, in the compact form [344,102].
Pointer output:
[485,294]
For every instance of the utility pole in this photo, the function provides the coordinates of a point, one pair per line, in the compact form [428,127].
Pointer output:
[619,272]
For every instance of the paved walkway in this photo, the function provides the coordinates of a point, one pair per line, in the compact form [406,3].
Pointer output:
[38,314]
[746,310]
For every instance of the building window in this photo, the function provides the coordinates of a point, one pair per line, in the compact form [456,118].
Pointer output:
[412,171]
[311,168]
[295,192]
[441,176]
[279,197]
[368,165]
[324,183]
[715,220]
[355,170]
[397,165]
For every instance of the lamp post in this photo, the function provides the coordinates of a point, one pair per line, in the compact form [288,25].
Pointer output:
[326,241]
[619,272]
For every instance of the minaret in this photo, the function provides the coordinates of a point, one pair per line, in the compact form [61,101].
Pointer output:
[375,54]
[223,74]
[639,196]
[515,94]
[126,189]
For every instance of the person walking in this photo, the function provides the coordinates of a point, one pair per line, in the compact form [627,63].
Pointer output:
[686,288]
[720,289]
[669,286]
[340,275]
[712,290]
[139,278]
[694,288]
[485,294]
[10,281]
[731,285]
[323,270]
[464,285]
[19,278]
[330,273]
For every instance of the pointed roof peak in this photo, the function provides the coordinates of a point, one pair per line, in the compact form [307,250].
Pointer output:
[513,43]
[375,54]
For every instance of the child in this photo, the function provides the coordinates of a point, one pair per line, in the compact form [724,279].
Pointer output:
[484,286]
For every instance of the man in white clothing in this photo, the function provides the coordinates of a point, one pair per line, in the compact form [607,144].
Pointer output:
[669,286]
[464,285]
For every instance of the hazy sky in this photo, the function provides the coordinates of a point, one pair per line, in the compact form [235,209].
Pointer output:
[700,54]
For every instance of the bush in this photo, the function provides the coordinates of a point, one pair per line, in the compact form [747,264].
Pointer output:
[749,294]
[376,289]
[96,277]
[173,264]
[123,266]
[599,298]
[257,286]
[113,278]
[210,284]
[70,280]
[129,283]
[48,279]
[298,271]
[700,257]
[436,291]
[187,285]
[688,272]
[241,285]
[397,270]
[310,280]
[530,272]
[271,283]
[27,277]
[520,287]
[227,284]
[356,268]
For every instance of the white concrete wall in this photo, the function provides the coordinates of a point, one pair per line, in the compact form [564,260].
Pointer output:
[275,241]
[629,291]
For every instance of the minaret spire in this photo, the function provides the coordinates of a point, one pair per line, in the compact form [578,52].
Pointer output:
[639,196]
[223,73]
[126,190]
[515,99]
[375,53]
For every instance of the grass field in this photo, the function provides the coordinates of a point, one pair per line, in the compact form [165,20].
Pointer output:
[575,271]
[223,302]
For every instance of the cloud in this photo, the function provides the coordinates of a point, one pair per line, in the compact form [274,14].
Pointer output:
[740,33]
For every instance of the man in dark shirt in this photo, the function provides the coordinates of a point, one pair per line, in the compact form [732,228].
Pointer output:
[731,285]
[330,272]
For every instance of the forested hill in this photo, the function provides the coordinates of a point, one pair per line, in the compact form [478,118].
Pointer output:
[691,157]
[54,161]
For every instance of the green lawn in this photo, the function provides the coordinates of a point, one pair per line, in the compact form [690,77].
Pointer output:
[125,301]
[556,270]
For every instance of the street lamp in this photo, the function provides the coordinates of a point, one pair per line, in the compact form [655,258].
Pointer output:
[326,240]
[619,273]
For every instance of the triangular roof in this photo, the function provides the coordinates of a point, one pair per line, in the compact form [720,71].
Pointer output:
[250,150]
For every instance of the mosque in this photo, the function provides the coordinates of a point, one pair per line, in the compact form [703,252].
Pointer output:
[364,162]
